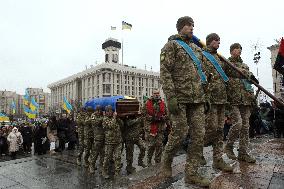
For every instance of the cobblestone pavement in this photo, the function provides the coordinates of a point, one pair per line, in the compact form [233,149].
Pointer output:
[61,171]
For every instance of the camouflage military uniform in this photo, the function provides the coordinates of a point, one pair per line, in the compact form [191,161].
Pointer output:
[99,141]
[217,97]
[154,138]
[179,79]
[113,146]
[88,138]
[241,99]
[81,124]
[133,132]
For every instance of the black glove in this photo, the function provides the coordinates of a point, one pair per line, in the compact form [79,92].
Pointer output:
[253,78]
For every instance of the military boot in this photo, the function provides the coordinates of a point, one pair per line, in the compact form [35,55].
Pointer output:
[79,161]
[203,161]
[92,169]
[196,179]
[221,164]
[166,169]
[130,169]
[87,163]
[105,174]
[229,151]
[246,158]
[141,163]
[149,162]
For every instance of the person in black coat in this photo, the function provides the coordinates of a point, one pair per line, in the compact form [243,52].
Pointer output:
[279,121]
[71,134]
[3,143]
[27,134]
[62,130]
[41,140]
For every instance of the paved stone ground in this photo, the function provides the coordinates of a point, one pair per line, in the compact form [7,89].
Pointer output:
[60,171]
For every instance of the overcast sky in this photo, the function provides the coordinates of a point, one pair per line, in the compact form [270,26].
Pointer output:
[43,41]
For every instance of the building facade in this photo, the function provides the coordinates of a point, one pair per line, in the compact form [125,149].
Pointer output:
[6,99]
[110,78]
[41,97]
[278,82]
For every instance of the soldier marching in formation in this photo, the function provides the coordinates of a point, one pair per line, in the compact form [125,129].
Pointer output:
[196,83]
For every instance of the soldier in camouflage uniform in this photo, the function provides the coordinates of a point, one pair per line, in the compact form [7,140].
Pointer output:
[113,139]
[81,124]
[182,79]
[154,125]
[132,134]
[241,99]
[88,135]
[99,139]
[217,98]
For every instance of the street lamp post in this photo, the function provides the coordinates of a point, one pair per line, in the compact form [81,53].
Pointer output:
[256,59]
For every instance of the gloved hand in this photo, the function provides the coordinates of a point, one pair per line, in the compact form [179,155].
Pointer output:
[253,78]
[173,106]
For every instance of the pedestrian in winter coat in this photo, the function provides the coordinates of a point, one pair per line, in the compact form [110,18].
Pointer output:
[26,132]
[15,140]
[41,140]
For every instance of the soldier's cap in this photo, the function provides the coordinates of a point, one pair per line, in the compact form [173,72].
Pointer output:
[108,108]
[182,21]
[90,109]
[235,46]
[211,37]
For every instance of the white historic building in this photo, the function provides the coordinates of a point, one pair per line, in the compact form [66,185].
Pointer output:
[107,79]
[278,81]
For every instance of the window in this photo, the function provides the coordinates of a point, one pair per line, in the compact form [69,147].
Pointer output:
[106,58]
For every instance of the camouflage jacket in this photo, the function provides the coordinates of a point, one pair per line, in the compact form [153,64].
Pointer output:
[81,121]
[98,129]
[216,88]
[112,128]
[88,127]
[134,128]
[179,77]
[237,93]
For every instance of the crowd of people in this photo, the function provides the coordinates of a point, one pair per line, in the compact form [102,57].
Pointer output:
[48,135]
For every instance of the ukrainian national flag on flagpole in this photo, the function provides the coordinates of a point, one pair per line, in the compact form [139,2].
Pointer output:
[34,105]
[66,105]
[126,26]
[26,98]
[31,114]
[13,107]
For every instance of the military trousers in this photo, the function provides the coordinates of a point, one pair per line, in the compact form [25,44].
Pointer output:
[189,119]
[112,151]
[97,150]
[129,147]
[240,127]
[155,145]
[81,142]
[88,142]
[214,129]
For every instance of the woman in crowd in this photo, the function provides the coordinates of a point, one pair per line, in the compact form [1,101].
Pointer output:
[15,140]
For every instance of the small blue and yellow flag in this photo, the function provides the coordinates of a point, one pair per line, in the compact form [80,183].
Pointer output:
[66,105]
[34,105]
[126,26]
[31,114]
[26,98]
[13,107]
